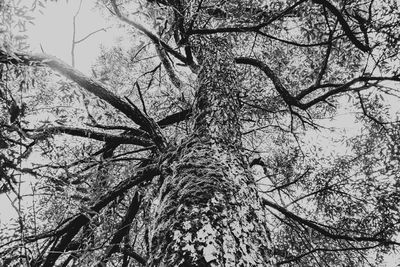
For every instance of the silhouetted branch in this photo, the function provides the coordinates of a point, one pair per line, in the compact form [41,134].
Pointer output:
[90,85]
[365,112]
[141,97]
[286,96]
[168,67]
[128,250]
[89,34]
[345,26]
[73,226]
[298,257]
[123,229]
[152,36]
[295,100]
[175,118]
[323,231]
[105,137]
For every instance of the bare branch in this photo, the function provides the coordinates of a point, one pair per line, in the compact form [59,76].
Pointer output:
[88,35]
[74,34]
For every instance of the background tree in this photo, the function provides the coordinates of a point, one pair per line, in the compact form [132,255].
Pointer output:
[214,144]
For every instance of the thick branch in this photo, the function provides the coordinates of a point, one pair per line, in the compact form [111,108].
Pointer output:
[72,227]
[105,137]
[123,228]
[128,250]
[152,37]
[175,118]
[167,121]
[287,97]
[88,84]
[345,26]
[314,87]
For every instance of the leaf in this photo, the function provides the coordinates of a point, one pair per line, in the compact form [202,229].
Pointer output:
[28,17]
[20,37]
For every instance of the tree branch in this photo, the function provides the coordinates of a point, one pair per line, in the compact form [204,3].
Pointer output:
[175,118]
[286,96]
[298,257]
[88,84]
[168,67]
[295,100]
[346,87]
[345,26]
[89,34]
[365,112]
[105,137]
[326,58]
[153,37]
[128,250]
[323,231]
[253,28]
[141,97]
[72,228]
[123,229]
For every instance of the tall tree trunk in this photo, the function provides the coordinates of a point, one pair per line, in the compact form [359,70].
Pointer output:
[208,211]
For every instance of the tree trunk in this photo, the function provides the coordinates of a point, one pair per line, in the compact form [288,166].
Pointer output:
[208,211]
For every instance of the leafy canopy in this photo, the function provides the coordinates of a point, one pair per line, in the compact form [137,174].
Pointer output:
[318,87]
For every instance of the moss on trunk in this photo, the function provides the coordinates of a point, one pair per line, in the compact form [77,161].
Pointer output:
[208,211]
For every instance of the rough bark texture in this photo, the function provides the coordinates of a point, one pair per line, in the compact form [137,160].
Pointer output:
[208,212]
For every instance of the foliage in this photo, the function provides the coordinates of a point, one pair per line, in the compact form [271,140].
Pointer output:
[331,193]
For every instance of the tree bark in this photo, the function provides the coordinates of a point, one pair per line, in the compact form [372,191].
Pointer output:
[208,211]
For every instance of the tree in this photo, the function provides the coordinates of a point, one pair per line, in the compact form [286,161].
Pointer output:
[216,168]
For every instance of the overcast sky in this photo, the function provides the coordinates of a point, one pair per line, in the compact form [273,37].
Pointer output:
[53,31]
